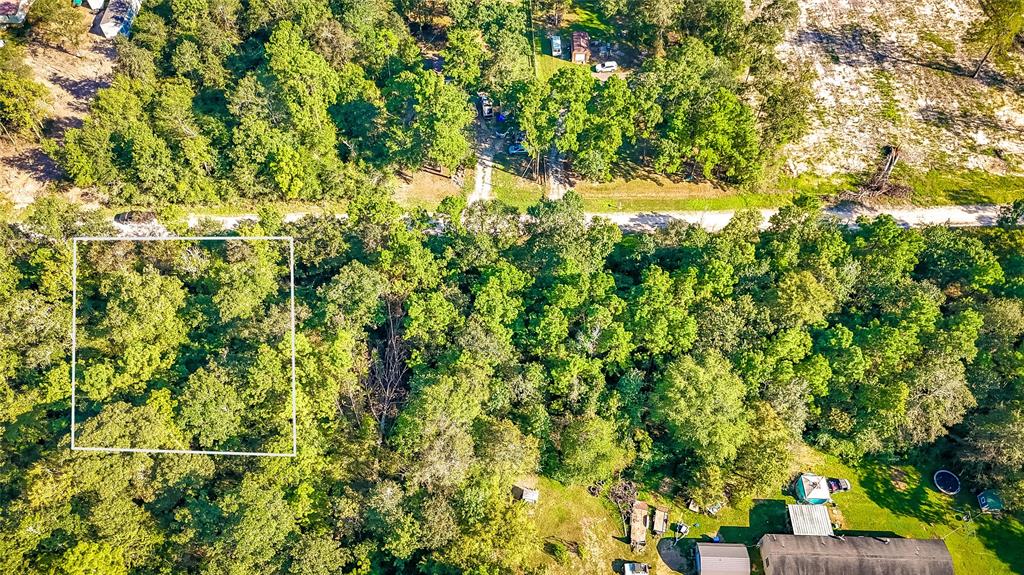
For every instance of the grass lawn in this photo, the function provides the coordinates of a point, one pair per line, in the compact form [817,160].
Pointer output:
[938,188]
[657,193]
[547,65]
[515,191]
[885,500]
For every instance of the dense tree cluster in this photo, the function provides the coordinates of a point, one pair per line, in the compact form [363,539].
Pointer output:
[437,369]
[213,100]
[716,103]
[22,99]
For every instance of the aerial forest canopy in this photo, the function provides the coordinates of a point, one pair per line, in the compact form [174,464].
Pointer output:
[435,370]
[214,100]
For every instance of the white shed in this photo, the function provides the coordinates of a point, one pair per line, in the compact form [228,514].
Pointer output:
[118,16]
[722,559]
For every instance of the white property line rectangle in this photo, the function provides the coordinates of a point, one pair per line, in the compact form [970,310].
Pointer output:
[74,335]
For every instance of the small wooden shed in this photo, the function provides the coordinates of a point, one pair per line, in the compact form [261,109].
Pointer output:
[660,524]
[580,47]
[639,519]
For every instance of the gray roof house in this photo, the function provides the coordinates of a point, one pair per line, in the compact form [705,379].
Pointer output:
[722,559]
[813,555]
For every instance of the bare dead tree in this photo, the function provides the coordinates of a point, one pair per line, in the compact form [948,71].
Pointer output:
[386,388]
[879,184]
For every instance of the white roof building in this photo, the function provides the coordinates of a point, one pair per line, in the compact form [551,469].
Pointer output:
[810,520]
[118,16]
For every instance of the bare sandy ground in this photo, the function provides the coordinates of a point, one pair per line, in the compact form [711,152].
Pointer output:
[72,81]
[955,216]
[898,72]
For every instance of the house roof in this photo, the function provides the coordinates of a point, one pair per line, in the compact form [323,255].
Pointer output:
[814,487]
[813,555]
[722,559]
[810,520]
[580,41]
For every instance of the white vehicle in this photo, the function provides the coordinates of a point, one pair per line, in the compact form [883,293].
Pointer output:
[486,108]
[556,46]
[609,66]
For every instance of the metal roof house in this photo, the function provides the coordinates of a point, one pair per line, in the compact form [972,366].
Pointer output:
[810,555]
[722,559]
[810,520]
[580,47]
[117,17]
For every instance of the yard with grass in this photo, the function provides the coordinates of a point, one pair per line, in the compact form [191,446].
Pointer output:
[426,190]
[653,193]
[515,191]
[885,500]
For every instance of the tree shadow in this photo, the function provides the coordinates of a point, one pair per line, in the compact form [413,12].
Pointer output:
[83,90]
[678,555]
[860,47]
[964,120]
[766,516]
[35,162]
[914,500]
[1003,536]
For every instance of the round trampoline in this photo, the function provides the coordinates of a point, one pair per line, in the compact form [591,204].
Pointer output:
[946,482]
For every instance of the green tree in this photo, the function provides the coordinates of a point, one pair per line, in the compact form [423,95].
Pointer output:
[463,56]
[701,406]
[590,451]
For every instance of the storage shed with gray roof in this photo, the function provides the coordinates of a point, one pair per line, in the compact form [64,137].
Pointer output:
[812,555]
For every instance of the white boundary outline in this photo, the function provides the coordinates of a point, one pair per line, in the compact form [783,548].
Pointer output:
[74,334]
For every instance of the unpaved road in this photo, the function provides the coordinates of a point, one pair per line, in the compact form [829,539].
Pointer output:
[954,216]
[486,144]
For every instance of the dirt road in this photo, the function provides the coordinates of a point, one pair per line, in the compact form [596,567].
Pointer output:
[486,144]
[955,216]
[72,80]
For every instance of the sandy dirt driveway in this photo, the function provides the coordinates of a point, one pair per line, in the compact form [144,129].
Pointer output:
[72,80]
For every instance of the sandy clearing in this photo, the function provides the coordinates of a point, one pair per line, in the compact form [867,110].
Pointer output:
[896,72]
[72,80]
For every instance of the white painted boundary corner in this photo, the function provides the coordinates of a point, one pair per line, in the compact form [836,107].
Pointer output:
[74,334]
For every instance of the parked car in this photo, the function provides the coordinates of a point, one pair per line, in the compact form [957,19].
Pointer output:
[135,217]
[486,107]
[556,46]
[516,150]
[503,133]
[517,136]
[609,66]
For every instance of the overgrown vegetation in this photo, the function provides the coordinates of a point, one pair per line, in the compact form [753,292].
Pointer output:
[436,370]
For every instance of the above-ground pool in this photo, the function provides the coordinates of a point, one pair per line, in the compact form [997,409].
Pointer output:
[946,482]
